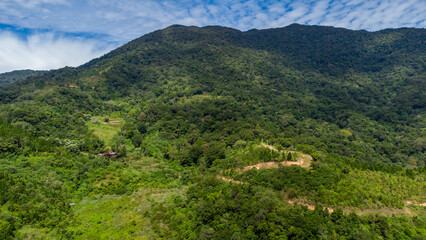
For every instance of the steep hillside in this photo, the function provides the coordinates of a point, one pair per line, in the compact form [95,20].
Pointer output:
[346,78]
[186,107]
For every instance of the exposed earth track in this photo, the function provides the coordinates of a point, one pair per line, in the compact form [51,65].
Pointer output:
[302,160]
[305,161]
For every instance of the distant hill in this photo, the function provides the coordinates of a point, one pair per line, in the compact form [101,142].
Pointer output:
[17,75]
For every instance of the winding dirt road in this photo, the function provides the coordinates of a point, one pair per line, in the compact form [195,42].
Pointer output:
[305,161]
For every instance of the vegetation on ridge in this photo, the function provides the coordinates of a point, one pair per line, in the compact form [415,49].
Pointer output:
[183,105]
[14,76]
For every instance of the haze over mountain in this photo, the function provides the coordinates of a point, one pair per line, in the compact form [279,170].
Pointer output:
[191,112]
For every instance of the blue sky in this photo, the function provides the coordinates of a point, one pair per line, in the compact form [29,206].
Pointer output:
[46,34]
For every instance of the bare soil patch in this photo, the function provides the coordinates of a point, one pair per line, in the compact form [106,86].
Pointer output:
[415,203]
[359,211]
[303,160]
[384,211]
[229,180]
[269,146]
[346,210]
[310,206]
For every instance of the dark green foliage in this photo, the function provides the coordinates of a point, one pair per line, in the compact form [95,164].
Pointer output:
[15,141]
[216,210]
[119,146]
[14,76]
[199,102]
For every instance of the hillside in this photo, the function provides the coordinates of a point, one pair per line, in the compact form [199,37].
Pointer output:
[14,76]
[186,107]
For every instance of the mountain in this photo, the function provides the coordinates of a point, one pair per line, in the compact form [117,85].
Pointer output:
[190,111]
[14,76]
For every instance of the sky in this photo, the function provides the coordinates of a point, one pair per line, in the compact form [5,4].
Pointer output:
[50,34]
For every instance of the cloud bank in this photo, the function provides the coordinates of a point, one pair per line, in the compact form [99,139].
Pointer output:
[46,51]
[128,19]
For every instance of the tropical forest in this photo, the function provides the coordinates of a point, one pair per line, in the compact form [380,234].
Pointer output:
[300,132]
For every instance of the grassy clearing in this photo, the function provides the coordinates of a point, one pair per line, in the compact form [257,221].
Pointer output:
[115,217]
[125,216]
[105,130]
[30,232]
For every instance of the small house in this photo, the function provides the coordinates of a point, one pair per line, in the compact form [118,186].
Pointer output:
[109,154]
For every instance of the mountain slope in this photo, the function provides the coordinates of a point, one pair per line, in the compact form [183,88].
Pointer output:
[190,104]
[14,76]
[317,73]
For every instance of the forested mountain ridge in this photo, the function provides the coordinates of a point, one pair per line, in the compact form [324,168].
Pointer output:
[217,61]
[14,76]
[184,105]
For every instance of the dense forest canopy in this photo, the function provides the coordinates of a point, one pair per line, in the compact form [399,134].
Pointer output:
[330,117]
[14,76]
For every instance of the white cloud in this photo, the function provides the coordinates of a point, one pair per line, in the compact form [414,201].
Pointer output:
[34,3]
[128,19]
[46,51]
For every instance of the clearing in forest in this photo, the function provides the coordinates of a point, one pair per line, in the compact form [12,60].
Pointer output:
[302,160]
[359,211]
[410,202]
[105,130]
[291,202]
[347,210]
[230,180]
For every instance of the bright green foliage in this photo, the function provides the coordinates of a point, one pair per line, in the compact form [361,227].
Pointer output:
[217,210]
[186,105]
